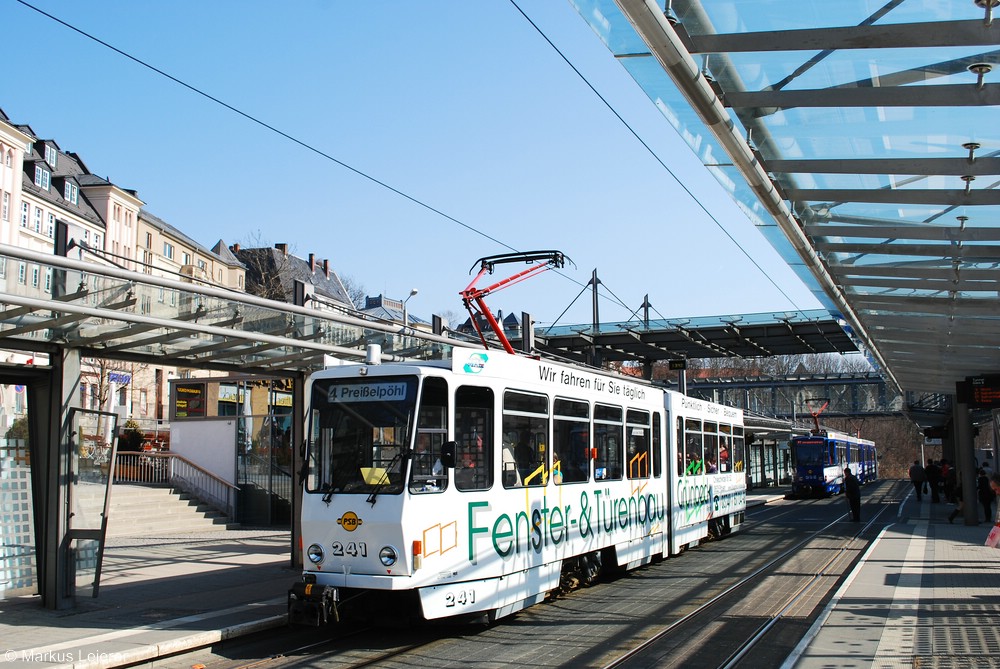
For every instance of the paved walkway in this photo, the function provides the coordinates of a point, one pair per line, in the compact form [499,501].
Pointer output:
[926,594]
[157,597]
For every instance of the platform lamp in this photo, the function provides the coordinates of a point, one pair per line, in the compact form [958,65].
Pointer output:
[406,320]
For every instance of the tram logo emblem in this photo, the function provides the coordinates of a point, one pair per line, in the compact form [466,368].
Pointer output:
[476,363]
[350,521]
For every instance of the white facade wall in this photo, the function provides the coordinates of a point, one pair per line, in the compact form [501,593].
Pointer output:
[209,443]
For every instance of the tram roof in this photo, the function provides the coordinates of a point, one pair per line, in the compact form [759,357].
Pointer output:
[860,139]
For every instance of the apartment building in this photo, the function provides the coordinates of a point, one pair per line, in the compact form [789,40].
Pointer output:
[40,184]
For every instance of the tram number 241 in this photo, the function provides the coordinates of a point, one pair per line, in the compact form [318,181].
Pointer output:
[460,598]
[354,549]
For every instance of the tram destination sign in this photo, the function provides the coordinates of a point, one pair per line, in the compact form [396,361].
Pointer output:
[980,392]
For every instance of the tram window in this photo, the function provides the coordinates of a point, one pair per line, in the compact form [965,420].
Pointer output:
[637,429]
[680,446]
[570,441]
[608,440]
[694,457]
[738,454]
[356,446]
[433,413]
[525,434]
[657,446]
[725,448]
[711,443]
[427,473]
[474,436]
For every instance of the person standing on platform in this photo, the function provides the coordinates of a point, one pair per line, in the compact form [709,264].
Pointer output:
[995,487]
[959,504]
[985,492]
[852,490]
[917,478]
[933,474]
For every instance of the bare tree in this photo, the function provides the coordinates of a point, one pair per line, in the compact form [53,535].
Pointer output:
[266,267]
[355,290]
[101,370]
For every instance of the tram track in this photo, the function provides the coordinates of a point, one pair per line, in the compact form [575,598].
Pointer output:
[672,646]
[669,614]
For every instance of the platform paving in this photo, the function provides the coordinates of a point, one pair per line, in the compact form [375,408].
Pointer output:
[926,594]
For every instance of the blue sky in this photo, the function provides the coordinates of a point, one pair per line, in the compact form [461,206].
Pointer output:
[462,106]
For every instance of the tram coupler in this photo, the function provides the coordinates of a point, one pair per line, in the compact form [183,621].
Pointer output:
[313,605]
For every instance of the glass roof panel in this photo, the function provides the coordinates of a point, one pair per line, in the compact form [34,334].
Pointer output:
[868,114]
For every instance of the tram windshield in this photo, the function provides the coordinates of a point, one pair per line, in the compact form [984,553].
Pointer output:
[358,434]
[813,452]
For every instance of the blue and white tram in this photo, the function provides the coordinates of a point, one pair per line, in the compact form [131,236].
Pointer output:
[820,459]
[476,485]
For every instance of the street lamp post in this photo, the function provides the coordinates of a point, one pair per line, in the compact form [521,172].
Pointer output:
[406,320]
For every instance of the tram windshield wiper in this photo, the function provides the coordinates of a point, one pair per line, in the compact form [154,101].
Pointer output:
[384,480]
[327,491]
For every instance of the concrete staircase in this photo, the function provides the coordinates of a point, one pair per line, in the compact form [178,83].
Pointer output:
[158,510]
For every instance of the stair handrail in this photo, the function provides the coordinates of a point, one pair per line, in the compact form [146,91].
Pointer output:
[206,486]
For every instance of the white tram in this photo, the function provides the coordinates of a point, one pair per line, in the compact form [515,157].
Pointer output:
[476,485]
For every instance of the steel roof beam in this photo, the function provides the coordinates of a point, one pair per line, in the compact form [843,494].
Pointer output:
[944,285]
[944,233]
[944,305]
[946,271]
[878,36]
[915,166]
[895,196]
[941,95]
[984,252]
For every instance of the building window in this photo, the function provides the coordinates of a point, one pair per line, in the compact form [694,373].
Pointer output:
[38,220]
[72,193]
[50,229]
[42,177]
[128,219]
[143,402]
[22,273]
[25,211]
[116,213]
[6,206]
[202,266]
[10,158]
[97,242]
[3,268]
[48,279]
[51,156]
[34,276]
[186,258]
[168,250]
[149,240]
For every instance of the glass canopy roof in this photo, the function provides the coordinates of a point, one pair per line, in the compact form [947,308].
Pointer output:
[106,312]
[861,138]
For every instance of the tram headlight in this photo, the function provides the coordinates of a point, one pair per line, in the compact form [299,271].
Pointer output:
[315,553]
[388,556]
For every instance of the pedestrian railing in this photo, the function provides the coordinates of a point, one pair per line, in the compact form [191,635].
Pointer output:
[175,470]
